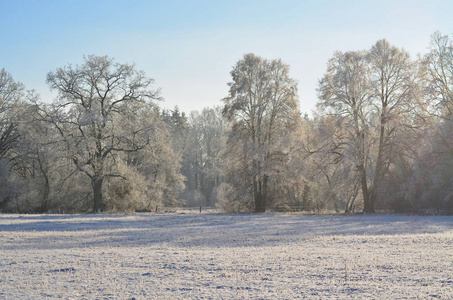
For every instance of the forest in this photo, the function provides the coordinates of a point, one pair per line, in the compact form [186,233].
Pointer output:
[381,138]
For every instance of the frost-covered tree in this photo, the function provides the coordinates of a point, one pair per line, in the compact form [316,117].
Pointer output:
[47,179]
[395,93]
[429,185]
[11,97]
[11,92]
[99,113]
[178,127]
[330,165]
[374,93]
[153,177]
[37,156]
[205,141]
[262,108]
[438,71]
[345,93]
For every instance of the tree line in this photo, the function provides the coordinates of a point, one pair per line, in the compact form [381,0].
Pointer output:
[381,138]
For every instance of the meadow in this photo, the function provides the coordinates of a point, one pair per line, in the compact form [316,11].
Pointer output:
[225,256]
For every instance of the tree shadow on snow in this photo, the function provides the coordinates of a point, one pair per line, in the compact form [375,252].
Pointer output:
[204,230]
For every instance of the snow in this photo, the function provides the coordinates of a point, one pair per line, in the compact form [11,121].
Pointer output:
[224,256]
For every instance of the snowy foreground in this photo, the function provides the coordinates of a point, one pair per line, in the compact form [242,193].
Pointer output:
[216,256]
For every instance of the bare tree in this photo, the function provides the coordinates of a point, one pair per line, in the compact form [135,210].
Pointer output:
[99,114]
[438,71]
[10,93]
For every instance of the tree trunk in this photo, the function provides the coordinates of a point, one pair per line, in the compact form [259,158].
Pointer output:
[260,195]
[257,202]
[379,169]
[45,196]
[97,192]
[264,193]
[368,207]
[350,205]
[256,196]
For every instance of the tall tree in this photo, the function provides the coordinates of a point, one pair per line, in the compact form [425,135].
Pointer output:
[11,92]
[374,93]
[438,71]
[98,114]
[262,108]
[345,92]
[393,78]
[432,172]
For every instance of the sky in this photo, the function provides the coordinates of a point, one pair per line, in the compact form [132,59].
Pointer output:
[190,47]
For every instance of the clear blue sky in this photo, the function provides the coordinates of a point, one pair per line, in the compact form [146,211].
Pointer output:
[189,47]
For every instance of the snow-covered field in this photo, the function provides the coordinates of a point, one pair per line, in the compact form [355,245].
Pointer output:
[217,256]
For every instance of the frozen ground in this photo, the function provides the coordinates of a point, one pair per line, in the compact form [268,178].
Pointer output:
[215,256]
